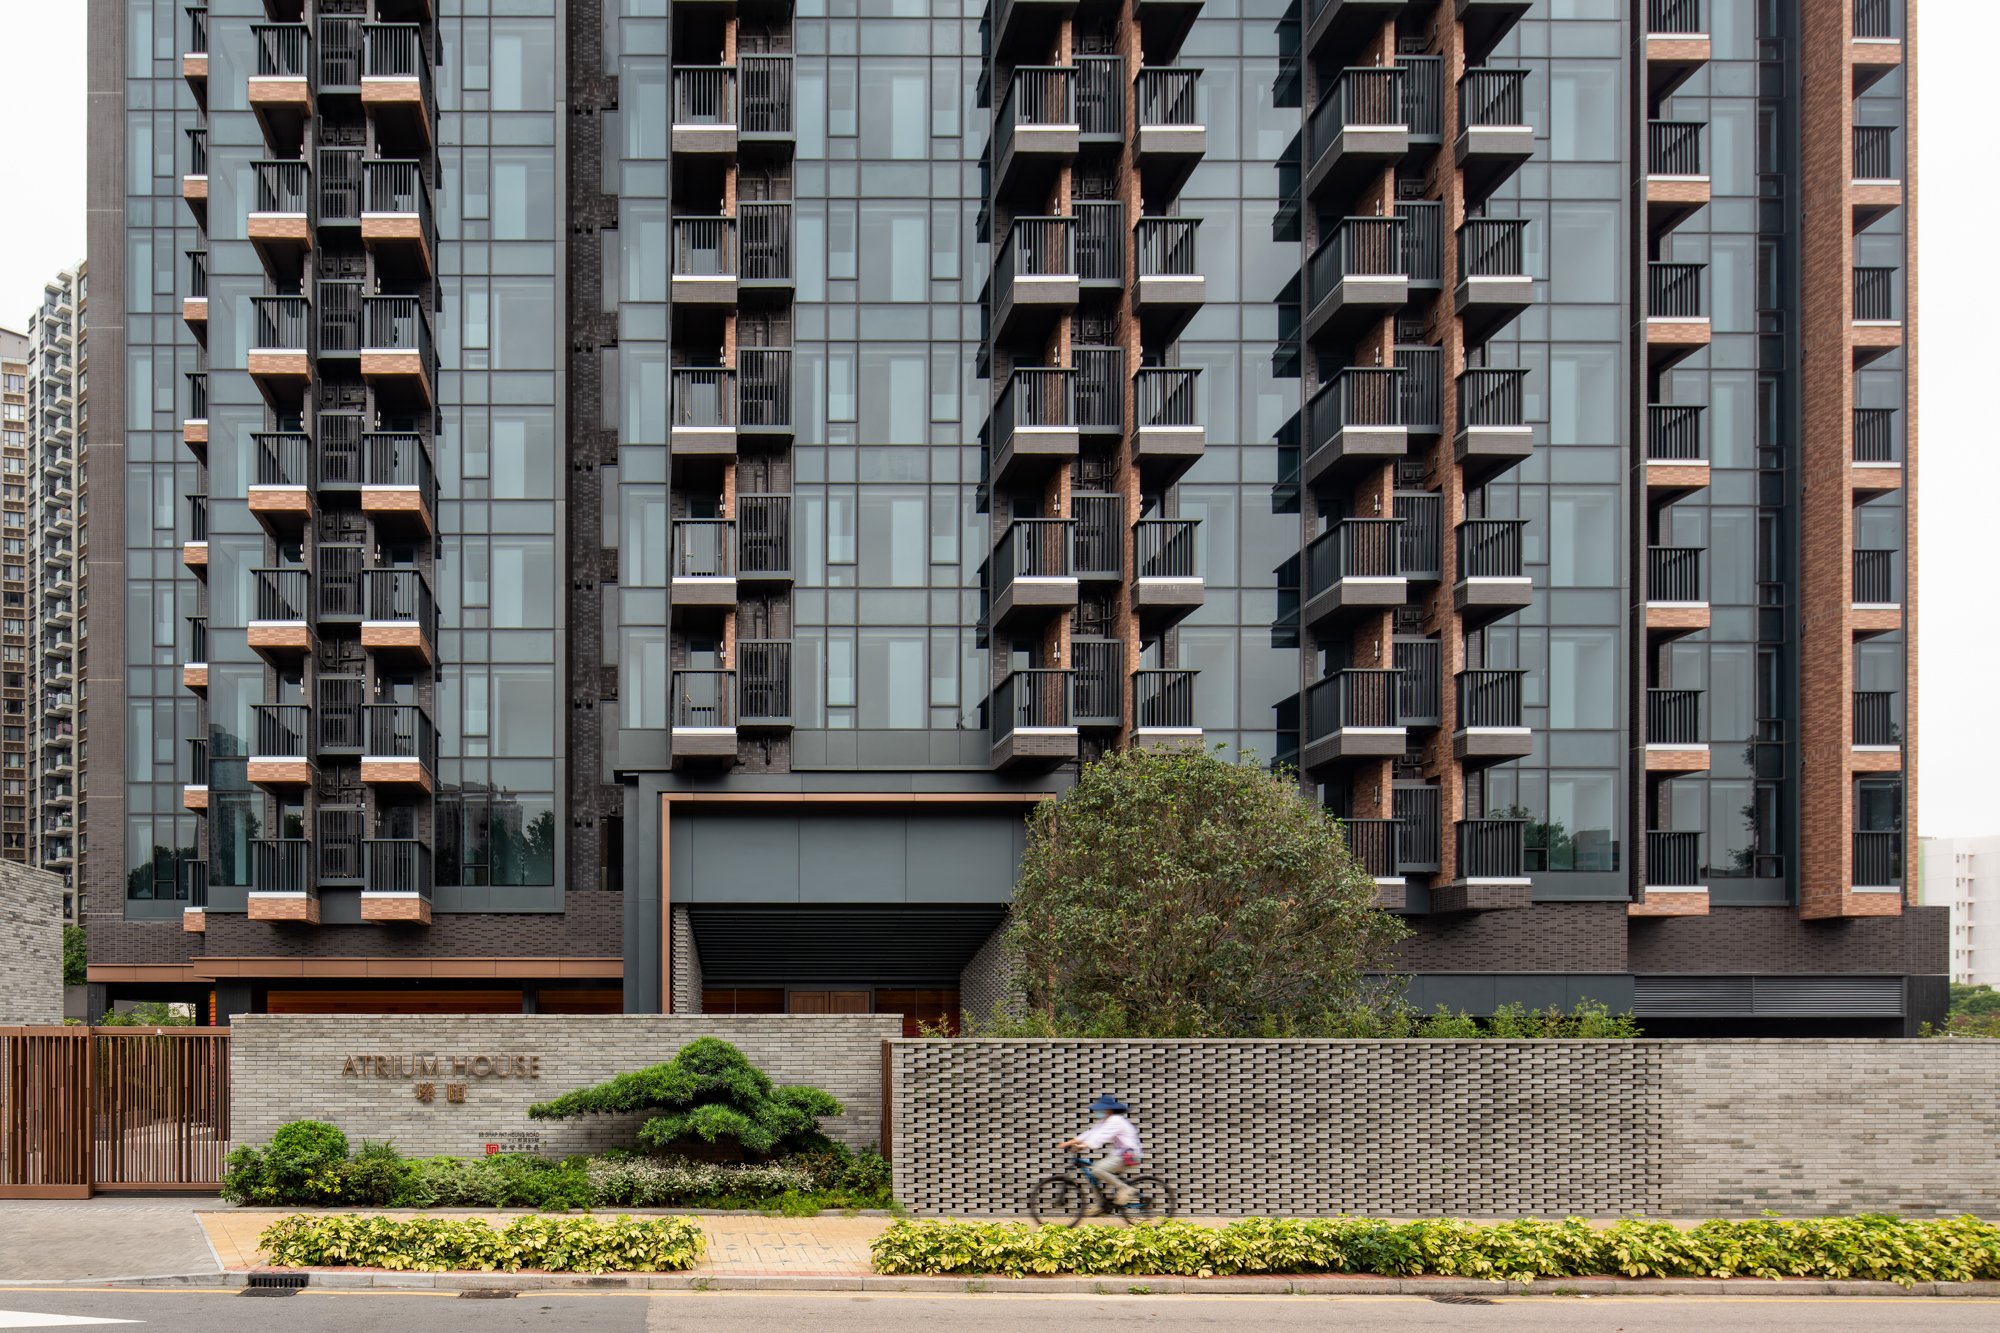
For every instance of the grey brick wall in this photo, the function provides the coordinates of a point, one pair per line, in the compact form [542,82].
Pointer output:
[1476,1128]
[987,981]
[685,981]
[31,989]
[289,1067]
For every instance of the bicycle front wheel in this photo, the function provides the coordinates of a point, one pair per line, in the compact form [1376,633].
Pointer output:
[1156,1200]
[1057,1201]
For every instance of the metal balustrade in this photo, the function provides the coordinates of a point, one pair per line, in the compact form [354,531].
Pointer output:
[197,152]
[1351,699]
[194,881]
[400,459]
[704,548]
[1875,435]
[198,274]
[282,865]
[1419,682]
[1422,536]
[1875,294]
[340,57]
[399,324]
[1419,831]
[705,95]
[1673,433]
[198,762]
[704,699]
[281,323]
[280,731]
[1875,153]
[1875,578]
[1100,240]
[284,458]
[1492,97]
[281,187]
[1042,247]
[1673,147]
[337,580]
[764,387]
[1492,248]
[397,186]
[197,30]
[1165,396]
[1097,549]
[1491,548]
[337,315]
[1100,387]
[1356,396]
[1037,96]
[1097,682]
[337,705]
[1165,548]
[1353,548]
[764,681]
[1036,698]
[400,595]
[197,639]
[1167,97]
[1423,95]
[337,441]
[400,731]
[1673,574]
[704,247]
[764,84]
[395,51]
[1673,860]
[280,594]
[1878,858]
[1489,697]
[1163,700]
[1874,19]
[1358,248]
[764,535]
[1875,718]
[1100,96]
[704,397]
[337,185]
[1166,247]
[1674,18]
[1372,844]
[397,865]
[1036,396]
[764,235]
[1674,291]
[1491,848]
[282,50]
[1033,548]
[1673,717]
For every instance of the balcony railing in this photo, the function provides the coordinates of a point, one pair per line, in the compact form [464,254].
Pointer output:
[1354,548]
[284,459]
[337,185]
[1167,248]
[1166,396]
[1673,433]
[337,440]
[1038,548]
[400,731]
[1349,700]
[337,313]
[1097,682]
[282,50]
[1372,843]
[1370,95]
[1423,95]
[1097,550]
[1037,96]
[1100,95]
[396,185]
[194,882]
[1673,147]
[1036,698]
[399,324]
[1100,387]
[1356,396]
[1492,849]
[1875,295]
[765,84]
[282,187]
[1491,398]
[704,397]
[1489,698]
[704,247]
[1422,239]
[197,639]
[1674,18]
[1875,153]
[704,548]
[764,680]
[198,274]
[1163,700]
[1358,248]
[1490,548]
[1673,574]
[197,518]
[1875,718]
[1419,690]
[1875,435]
[704,699]
[399,459]
[1036,396]
[396,865]
[337,579]
[1874,19]
[400,595]
[281,323]
[1673,717]
[1875,578]
[395,51]
[280,730]
[1673,860]
[1492,97]
[337,705]
[1492,248]
[764,387]
[705,95]
[280,594]
[282,865]
[1035,248]
[198,762]
[1674,291]
[197,152]
[763,535]
[339,52]
[1418,835]
[1100,240]
[1878,858]
[197,30]
[1164,548]
[1167,97]
[1422,538]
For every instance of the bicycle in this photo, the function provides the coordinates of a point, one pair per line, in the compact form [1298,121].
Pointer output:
[1067,1200]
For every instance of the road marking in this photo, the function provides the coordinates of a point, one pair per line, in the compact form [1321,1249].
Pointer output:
[23,1319]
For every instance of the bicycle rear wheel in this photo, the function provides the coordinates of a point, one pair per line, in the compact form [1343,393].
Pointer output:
[1057,1201]
[1156,1200]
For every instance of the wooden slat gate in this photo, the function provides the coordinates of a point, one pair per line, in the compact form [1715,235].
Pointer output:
[86,1109]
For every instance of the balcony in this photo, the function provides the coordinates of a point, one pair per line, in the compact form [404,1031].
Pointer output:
[1032,720]
[704,563]
[398,481]
[1422,537]
[764,393]
[1490,726]
[1423,99]
[1163,708]
[1167,583]
[194,58]
[281,342]
[397,879]
[705,407]
[278,89]
[1487,21]
[282,884]
[1336,28]
[1097,545]
[705,110]
[1875,187]
[1676,312]
[280,754]
[1419,693]
[1494,137]
[281,496]
[338,584]
[1673,732]
[1372,844]
[1034,425]
[1354,568]
[398,356]
[1100,243]
[194,181]
[1491,580]
[194,305]
[396,85]
[764,538]
[1877,463]
[1489,869]
[1876,47]
[1352,715]
[764,684]
[1878,861]
[1361,125]
[1037,132]
[1878,324]
[401,749]
[1167,434]
[337,187]
[396,221]
[339,727]
[278,628]
[1676,603]
[1355,277]
[1492,432]
[1676,44]
[1493,282]
[338,40]
[1875,581]
[1172,138]
[1034,278]
[1355,421]
[1677,182]
[1033,573]
[280,220]
[1676,457]
[1171,286]
[1097,683]
[194,793]
[1674,879]
[713,256]
[704,718]
[194,551]
[1875,744]
[399,615]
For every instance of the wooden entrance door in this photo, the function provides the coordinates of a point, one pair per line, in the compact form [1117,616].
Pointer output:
[829,1002]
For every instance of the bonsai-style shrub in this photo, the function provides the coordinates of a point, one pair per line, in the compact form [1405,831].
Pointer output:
[709,1091]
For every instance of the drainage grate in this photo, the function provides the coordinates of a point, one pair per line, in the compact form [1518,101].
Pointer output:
[486,1294]
[276,1284]
[1464,1300]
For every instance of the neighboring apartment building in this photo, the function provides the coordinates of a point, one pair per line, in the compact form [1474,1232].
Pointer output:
[16,408]
[56,552]
[632,500]
[1962,875]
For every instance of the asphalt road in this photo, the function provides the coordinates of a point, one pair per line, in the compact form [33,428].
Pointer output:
[753,1312]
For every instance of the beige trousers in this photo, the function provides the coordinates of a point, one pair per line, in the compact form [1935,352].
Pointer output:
[1109,1170]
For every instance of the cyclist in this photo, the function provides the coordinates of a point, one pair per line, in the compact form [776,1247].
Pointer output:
[1114,1136]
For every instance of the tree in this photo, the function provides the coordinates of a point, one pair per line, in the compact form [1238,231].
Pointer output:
[708,1091]
[76,957]
[1171,892]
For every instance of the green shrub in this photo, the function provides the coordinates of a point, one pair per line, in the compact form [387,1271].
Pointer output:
[432,1244]
[708,1091]
[375,1177]
[1871,1247]
[305,1163]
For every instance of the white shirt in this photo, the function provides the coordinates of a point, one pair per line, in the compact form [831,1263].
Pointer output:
[1115,1130]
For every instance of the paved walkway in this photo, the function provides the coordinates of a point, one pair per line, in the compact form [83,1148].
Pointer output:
[103,1238]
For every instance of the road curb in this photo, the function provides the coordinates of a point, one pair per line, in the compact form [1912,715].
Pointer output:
[347,1279]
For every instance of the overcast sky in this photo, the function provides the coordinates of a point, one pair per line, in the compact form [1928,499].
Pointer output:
[42,231]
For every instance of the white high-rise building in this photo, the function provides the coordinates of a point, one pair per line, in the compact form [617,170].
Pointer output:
[1964,875]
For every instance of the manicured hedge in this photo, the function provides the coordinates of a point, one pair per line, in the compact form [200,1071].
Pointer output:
[441,1244]
[1868,1247]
